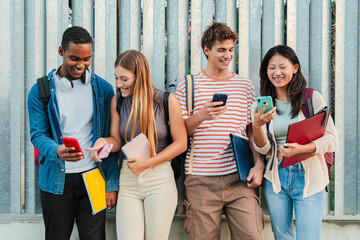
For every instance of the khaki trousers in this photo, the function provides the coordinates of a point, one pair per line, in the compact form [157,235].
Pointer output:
[146,204]
[209,196]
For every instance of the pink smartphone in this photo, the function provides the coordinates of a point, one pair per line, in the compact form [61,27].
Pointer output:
[104,151]
[72,142]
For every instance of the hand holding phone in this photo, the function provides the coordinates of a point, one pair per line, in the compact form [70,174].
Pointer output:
[104,151]
[72,142]
[220,97]
[262,101]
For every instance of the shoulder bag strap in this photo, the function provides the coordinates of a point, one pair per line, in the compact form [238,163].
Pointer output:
[307,106]
[189,91]
[44,91]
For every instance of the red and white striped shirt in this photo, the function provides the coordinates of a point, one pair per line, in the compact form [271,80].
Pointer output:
[212,150]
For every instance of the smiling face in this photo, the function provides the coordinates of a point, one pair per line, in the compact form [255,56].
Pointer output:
[220,55]
[280,71]
[76,58]
[125,81]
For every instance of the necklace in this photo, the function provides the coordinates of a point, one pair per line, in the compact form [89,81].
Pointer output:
[226,76]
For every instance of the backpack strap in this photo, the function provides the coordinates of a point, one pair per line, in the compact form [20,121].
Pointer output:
[307,106]
[166,113]
[189,90]
[119,101]
[44,94]
[44,91]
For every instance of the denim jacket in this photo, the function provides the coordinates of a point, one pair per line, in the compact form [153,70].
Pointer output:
[45,133]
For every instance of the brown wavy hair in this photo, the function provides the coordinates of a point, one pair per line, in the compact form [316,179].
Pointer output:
[295,88]
[217,31]
[142,98]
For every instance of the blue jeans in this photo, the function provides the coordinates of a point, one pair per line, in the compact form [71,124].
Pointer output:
[308,211]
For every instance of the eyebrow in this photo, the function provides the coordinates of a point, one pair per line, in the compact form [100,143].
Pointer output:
[74,56]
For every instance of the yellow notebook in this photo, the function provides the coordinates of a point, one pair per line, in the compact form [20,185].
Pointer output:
[95,186]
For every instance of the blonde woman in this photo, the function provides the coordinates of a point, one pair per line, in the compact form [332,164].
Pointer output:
[146,203]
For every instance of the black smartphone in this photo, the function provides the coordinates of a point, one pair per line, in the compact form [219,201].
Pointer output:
[220,97]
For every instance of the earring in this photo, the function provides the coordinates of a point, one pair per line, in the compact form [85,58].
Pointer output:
[294,71]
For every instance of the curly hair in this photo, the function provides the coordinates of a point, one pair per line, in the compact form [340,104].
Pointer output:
[295,88]
[217,31]
[77,35]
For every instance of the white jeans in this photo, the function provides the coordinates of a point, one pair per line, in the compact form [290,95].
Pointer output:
[146,204]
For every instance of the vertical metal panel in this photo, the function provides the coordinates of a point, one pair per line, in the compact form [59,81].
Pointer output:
[347,110]
[5,103]
[320,56]
[154,39]
[195,28]
[129,25]
[225,11]
[177,42]
[320,47]
[357,183]
[35,59]
[105,39]
[249,40]
[244,21]
[291,23]
[82,14]
[57,17]
[17,103]
[207,12]
[298,31]
[201,17]
[272,28]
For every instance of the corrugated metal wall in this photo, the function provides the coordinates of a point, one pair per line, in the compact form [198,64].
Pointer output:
[169,33]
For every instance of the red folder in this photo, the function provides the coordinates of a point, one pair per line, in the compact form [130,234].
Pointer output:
[304,132]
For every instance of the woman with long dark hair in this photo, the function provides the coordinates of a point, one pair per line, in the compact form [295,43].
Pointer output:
[299,187]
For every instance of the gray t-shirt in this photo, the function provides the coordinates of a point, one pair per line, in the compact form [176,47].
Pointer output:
[161,127]
[282,121]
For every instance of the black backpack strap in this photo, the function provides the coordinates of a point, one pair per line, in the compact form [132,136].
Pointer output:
[166,113]
[166,106]
[119,101]
[44,91]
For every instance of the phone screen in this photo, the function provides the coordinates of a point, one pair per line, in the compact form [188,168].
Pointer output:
[220,97]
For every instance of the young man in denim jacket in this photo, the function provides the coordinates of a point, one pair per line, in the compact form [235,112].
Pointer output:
[79,107]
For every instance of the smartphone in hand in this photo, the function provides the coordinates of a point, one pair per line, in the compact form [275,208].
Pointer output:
[72,142]
[261,101]
[220,97]
[104,151]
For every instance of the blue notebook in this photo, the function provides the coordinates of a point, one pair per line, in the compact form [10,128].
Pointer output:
[243,156]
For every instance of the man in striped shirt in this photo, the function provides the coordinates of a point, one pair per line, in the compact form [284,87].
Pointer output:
[212,183]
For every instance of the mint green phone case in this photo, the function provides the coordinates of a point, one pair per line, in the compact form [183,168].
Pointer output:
[261,101]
